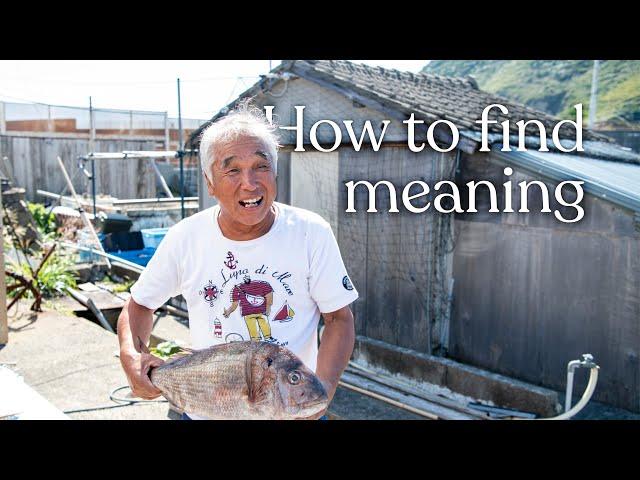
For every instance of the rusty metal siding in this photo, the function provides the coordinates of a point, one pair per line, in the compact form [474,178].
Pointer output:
[33,160]
[532,293]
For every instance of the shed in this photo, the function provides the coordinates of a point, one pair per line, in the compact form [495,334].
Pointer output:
[519,294]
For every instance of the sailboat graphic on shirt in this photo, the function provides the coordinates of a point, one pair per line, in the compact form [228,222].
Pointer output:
[285,314]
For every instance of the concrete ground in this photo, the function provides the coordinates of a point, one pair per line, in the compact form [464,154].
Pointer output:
[73,363]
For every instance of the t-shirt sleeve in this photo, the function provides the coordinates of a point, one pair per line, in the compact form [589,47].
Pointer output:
[329,282]
[162,277]
[235,294]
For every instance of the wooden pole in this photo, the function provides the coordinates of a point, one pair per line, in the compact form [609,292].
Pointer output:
[4,325]
[83,215]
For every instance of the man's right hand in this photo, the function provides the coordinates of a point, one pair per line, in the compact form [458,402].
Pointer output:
[136,366]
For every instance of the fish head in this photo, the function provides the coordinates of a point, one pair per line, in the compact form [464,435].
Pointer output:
[283,384]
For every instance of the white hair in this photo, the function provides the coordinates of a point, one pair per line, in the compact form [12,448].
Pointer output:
[244,121]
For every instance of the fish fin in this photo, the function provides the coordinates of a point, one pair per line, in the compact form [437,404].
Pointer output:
[143,346]
[255,384]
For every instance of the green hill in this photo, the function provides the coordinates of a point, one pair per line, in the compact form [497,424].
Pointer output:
[554,86]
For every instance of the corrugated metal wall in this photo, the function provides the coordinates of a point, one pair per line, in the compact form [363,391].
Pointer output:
[34,164]
[532,293]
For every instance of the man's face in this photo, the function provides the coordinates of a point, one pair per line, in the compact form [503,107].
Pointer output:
[244,181]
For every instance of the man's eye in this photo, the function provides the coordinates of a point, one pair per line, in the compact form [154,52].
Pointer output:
[233,170]
[264,167]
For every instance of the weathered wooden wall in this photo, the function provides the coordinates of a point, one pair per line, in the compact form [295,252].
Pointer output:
[532,293]
[396,260]
[34,164]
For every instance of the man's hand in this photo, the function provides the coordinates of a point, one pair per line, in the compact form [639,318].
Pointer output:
[335,351]
[136,366]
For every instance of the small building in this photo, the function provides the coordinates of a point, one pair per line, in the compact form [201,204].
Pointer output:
[518,294]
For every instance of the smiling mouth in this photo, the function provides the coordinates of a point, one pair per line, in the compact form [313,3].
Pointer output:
[251,202]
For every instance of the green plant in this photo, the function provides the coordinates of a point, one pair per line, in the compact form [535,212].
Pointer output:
[55,275]
[165,350]
[123,287]
[45,221]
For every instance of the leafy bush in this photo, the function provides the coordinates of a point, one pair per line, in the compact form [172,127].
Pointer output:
[45,221]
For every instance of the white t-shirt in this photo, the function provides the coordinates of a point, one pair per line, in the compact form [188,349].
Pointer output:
[279,282]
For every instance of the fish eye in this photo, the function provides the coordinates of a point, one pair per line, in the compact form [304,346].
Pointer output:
[294,377]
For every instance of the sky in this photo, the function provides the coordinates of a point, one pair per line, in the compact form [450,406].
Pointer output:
[206,85]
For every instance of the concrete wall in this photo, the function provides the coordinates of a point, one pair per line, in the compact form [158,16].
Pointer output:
[532,293]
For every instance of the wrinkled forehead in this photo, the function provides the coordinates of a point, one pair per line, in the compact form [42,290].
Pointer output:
[242,146]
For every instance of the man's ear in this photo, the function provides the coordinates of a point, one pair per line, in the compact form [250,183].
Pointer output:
[210,188]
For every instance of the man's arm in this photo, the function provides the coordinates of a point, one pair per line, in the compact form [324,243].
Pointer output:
[136,321]
[232,309]
[336,346]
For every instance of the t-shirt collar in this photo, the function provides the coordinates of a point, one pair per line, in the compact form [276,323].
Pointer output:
[218,232]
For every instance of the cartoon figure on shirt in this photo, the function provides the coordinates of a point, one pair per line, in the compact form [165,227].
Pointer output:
[255,298]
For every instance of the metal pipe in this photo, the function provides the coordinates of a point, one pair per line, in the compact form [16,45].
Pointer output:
[390,401]
[586,362]
[163,182]
[129,154]
[180,153]
[586,396]
[113,258]
[93,185]
[93,163]
[56,196]
[570,371]
[133,201]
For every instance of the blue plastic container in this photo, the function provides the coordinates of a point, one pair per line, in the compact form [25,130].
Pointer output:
[153,236]
[139,257]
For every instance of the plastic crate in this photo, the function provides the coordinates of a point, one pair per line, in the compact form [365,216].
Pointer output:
[153,236]
[139,257]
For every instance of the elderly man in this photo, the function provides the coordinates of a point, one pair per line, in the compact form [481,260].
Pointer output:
[281,265]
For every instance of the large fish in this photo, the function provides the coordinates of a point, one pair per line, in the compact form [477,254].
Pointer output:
[241,381]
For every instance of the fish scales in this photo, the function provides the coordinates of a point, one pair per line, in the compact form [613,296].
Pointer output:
[241,380]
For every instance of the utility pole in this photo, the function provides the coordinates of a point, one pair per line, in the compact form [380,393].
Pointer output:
[593,102]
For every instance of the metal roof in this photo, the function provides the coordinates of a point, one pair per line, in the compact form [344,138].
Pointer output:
[614,181]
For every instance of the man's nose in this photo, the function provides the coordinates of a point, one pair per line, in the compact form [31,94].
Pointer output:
[248,180]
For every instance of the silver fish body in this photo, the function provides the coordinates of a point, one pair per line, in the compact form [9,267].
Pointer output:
[241,381]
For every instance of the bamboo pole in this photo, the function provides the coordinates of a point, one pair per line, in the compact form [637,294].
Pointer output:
[83,215]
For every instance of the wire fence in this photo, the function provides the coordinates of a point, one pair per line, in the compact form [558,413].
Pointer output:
[57,119]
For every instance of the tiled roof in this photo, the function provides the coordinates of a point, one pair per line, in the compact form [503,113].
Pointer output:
[431,97]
